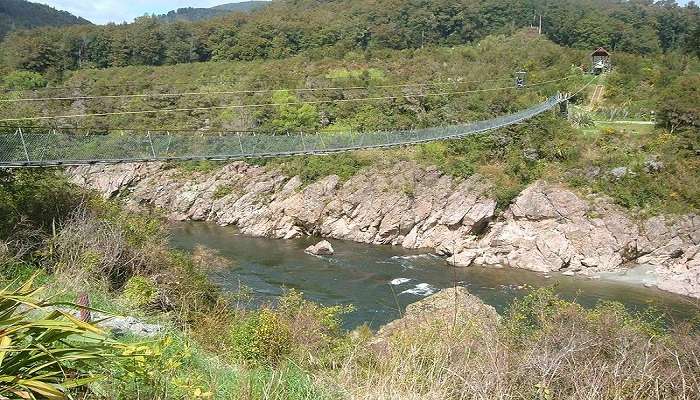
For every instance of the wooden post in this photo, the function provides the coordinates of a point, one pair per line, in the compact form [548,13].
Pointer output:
[84,304]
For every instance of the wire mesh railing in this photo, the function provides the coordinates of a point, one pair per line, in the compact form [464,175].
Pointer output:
[24,149]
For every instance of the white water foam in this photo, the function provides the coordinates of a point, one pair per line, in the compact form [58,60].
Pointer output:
[421,289]
[415,256]
[399,281]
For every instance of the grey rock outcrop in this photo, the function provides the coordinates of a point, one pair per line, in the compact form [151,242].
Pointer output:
[652,165]
[549,228]
[546,228]
[121,325]
[405,205]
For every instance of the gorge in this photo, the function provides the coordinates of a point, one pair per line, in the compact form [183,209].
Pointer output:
[546,228]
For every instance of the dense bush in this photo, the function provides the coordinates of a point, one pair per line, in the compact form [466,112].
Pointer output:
[457,69]
[32,204]
[679,105]
[140,291]
[261,338]
[296,329]
[24,80]
[312,168]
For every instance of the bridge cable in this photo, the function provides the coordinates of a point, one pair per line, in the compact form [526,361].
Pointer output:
[240,106]
[230,92]
[176,83]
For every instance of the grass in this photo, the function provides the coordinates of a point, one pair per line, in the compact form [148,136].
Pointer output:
[643,129]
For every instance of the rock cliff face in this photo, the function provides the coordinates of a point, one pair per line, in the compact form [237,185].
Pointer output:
[546,228]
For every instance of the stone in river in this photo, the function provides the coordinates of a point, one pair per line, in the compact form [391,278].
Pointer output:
[322,248]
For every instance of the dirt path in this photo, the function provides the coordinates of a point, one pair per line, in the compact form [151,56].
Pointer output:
[597,95]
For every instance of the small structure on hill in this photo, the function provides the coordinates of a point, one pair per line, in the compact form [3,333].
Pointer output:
[600,61]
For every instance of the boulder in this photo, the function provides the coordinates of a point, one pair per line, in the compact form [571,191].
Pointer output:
[322,248]
[652,166]
[619,172]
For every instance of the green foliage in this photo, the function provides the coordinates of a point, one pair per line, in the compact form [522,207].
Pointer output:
[24,80]
[312,168]
[679,105]
[293,118]
[140,291]
[369,74]
[672,189]
[495,57]
[45,353]
[287,382]
[293,305]
[35,199]
[261,338]
[529,315]
[222,191]
[287,28]
[297,329]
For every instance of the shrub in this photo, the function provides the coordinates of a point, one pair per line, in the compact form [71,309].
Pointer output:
[140,291]
[678,105]
[544,347]
[222,191]
[24,80]
[261,338]
[32,202]
[312,168]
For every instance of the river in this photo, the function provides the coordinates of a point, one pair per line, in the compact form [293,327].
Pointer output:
[381,280]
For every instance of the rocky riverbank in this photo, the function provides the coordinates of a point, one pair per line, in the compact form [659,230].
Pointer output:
[546,228]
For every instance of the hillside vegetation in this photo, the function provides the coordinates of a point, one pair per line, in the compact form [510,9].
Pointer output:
[287,28]
[490,64]
[22,14]
[198,14]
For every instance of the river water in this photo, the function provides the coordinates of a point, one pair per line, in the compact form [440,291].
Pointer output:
[381,280]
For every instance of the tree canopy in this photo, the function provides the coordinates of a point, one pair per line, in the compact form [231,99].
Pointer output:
[290,27]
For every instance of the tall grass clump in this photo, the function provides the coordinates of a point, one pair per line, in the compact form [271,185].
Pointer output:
[543,348]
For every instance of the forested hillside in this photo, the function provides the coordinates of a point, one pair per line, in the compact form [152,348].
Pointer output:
[198,14]
[335,27]
[21,14]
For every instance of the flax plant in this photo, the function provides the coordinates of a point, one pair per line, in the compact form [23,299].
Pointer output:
[45,352]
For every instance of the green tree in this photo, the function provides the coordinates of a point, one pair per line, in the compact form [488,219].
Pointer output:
[679,106]
[99,49]
[147,42]
[24,80]
[179,43]
[293,117]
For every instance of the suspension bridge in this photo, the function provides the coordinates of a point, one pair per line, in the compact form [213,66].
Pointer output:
[29,148]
